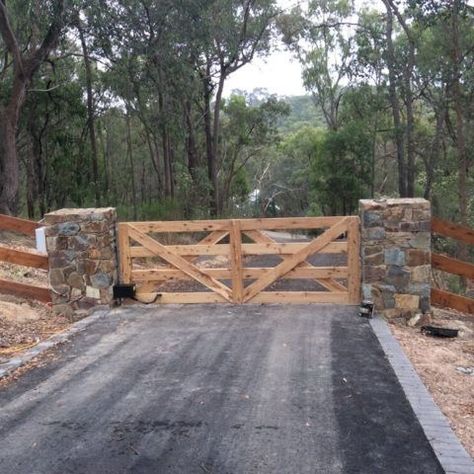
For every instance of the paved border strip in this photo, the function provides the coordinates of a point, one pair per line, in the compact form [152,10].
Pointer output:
[451,454]
[14,363]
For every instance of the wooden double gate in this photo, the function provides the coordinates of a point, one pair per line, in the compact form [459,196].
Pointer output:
[221,260]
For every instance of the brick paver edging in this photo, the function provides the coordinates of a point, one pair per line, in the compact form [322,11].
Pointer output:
[451,454]
[14,363]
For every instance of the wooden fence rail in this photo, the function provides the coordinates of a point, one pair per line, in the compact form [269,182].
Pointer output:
[452,265]
[450,229]
[15,224]
[27,258]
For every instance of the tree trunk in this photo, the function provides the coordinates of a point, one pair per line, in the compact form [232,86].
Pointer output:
[132,165]
[432,160]
[25,65]
[191,148]
[460,137]
[392,90]
[410,126]
[90,115]
[211,159]
[215,140]
[9,165]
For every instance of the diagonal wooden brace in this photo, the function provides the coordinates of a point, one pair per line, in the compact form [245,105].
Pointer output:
[179,262]
[288,264]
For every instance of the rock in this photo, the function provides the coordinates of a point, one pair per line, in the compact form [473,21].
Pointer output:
[417,257]
[374,274]
[56,277]
[414,320]
[4,343]
[394,256]
[95,227]
[421,273]
[100,280]
[418,226]
[93,293]
[372,219]
[76,293]
[64,310]
[68,228]
[374,233]
[51,243]
[405,301]
[397,276]
[466,370]
[422,240]
[75,281]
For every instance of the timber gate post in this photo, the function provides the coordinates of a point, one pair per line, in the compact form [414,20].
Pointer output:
[396,255]
[81,245]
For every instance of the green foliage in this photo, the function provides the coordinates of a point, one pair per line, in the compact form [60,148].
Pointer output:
[341,170]
[157,71]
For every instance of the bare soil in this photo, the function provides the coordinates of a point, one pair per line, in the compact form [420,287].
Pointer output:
[24,323]
[446,367]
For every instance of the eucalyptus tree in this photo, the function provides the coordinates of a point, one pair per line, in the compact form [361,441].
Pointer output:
[29,31]
[225,36]
[322,38]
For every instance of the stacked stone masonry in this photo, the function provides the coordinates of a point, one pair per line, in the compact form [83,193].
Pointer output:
[396,255]
[83,264]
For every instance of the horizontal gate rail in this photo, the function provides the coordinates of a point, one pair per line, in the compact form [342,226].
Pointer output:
[247,273]
[247,249]
[138,240]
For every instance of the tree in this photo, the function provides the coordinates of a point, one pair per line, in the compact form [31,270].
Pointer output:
[24,61]
[323,44]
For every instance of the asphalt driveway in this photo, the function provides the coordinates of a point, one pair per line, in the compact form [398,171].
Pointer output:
[214,389]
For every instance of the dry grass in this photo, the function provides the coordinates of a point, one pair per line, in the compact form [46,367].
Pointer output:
[24,323]
[437,361]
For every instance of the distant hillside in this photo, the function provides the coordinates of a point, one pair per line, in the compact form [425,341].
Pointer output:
[303,112]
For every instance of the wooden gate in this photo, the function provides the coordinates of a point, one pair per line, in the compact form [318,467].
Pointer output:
[225,260]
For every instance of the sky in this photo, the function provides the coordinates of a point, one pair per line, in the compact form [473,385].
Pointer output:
[279,73]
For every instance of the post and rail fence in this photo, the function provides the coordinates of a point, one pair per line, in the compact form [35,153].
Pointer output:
[451,265]
[235,242]
[28,258]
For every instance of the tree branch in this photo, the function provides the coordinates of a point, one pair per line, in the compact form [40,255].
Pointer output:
[9,37]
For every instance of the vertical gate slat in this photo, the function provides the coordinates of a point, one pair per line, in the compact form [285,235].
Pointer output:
[125,259]
[353,260]
[236,262]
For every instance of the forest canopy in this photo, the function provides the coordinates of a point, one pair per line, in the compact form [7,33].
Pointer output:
[121,103]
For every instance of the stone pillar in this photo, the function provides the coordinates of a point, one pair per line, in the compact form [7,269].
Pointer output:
[82,258]
[396,255]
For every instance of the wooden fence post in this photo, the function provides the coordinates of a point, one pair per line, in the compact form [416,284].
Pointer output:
[353,260]
[125,260]
[236,261]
